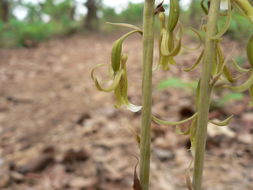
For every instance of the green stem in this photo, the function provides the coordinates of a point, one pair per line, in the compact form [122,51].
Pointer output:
[205,93]
[148,46]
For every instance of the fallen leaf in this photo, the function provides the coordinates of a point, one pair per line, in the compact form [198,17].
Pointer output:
[72,156]
[37,164]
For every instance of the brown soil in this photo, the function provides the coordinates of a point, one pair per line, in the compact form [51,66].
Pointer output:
[58,132]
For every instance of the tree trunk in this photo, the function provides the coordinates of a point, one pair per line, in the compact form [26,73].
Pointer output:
[91,20]
[4,10]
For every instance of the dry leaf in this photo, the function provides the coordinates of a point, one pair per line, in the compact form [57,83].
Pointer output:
[159,8]
[137,183]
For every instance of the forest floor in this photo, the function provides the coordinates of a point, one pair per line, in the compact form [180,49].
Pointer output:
[58,132]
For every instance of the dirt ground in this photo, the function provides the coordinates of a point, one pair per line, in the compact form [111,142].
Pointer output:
[58,132]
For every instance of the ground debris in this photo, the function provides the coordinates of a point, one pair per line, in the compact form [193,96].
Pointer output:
[37,165]
[72,156]
[63,134]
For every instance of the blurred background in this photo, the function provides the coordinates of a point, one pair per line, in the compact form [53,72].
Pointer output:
[28,22]
[58,132]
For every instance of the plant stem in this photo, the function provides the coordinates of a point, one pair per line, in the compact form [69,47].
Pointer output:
[147,61]
[205,93]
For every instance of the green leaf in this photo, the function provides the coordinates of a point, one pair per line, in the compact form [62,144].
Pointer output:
[240,59]
[222,123]
[230,97]
[176,83]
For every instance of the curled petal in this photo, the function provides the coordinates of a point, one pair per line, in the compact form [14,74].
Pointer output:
[243,87]
[162,29]
[167,45]
[114,84]
[164,45]
[163,122]
[238,67]
[129,106]
[118,97]
[164,63]
[122,89]
[174,52]
[220,71]
[167,37]
[167,51]
[222,66]
[220,58]
[214,80]
[125,25]
[227,74]
[156,67]
[222,123]
[196,64]
[94,69]
[124,58]
[199,39]
[177,49]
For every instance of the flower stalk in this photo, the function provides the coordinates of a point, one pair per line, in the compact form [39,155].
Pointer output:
[205,93]
[147,62]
